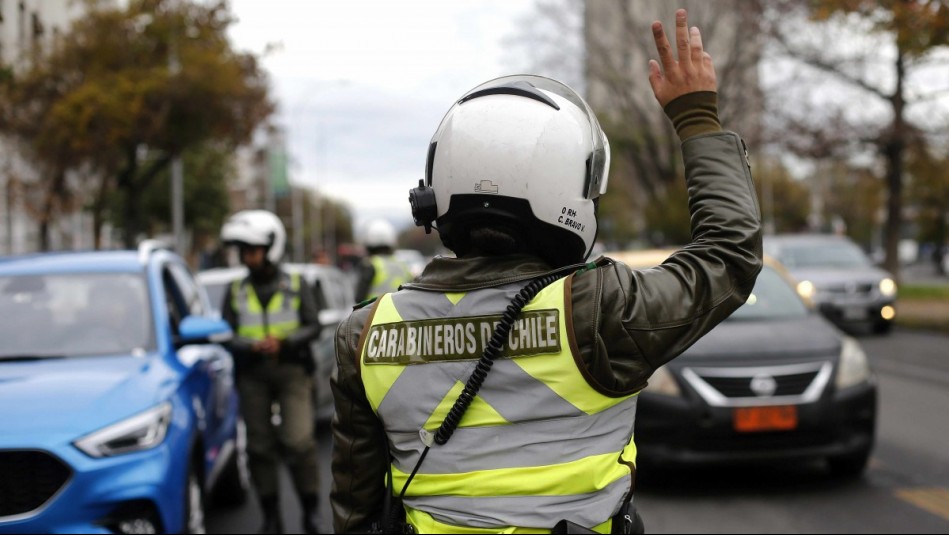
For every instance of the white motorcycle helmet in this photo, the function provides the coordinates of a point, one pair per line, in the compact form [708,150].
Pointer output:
[380,233]
[525,151]
[259,228]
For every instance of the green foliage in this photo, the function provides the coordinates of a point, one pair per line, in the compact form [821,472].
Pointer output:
[929,192]
[919,291]
[856,196]
[918,25]
[207,170]
[784,200]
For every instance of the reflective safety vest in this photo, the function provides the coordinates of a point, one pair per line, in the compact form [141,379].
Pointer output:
[536,445]
[282,315]
[390,273]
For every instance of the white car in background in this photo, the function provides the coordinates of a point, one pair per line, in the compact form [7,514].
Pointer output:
[413,258]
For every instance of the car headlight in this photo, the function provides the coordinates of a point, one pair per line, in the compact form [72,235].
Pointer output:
[854,367]
[807,290]
[887,287]
[140,432]
[662,382]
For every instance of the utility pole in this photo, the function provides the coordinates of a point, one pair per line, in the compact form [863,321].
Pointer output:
[177,167]
[297,208]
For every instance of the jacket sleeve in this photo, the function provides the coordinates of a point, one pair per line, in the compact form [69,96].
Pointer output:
[629,322]
[359,443]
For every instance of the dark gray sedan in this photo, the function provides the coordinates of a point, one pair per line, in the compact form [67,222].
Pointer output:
[839,277]
[776,380]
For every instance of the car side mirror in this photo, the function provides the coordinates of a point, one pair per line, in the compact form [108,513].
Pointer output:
[203,330]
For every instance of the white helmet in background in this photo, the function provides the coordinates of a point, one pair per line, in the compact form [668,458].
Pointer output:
[522,150]
[259,228]
[380,233]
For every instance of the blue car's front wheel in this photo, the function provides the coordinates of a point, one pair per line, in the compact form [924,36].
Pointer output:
[194,502]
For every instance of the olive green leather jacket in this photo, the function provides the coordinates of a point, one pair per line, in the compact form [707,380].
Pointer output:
[626,322]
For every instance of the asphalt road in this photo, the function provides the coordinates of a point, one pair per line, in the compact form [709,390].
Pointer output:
[904,490]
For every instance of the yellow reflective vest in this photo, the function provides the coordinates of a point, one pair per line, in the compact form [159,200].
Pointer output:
[536,445]
[282,315]
[390,273]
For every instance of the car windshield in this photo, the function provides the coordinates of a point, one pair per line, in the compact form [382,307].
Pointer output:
[772,297]
[830,255]
[72,314]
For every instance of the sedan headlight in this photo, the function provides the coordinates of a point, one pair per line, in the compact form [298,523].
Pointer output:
[854,367]
[662,382]
[140,432]
[887,287]
[807,290]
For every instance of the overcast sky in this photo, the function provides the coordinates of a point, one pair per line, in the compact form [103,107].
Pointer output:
[362,85]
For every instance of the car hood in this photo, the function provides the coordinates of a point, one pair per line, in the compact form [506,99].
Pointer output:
[78,395]
[755,342]
[828,277]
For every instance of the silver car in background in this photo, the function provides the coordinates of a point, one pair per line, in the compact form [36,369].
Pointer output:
[334,294]
[836,274]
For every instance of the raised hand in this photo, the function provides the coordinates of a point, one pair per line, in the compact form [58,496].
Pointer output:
[692,72]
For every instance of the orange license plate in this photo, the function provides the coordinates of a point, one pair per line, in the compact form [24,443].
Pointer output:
[754,419]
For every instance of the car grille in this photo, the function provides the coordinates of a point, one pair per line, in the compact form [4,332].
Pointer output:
[764,385]
[28,479]
[739,387]
[849,289]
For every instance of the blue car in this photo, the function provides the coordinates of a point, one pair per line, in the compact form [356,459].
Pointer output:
[118,411]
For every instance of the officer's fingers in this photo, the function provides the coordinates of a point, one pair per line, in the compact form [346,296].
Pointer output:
[682,37]
[663,46]
[655,77]
[695,42]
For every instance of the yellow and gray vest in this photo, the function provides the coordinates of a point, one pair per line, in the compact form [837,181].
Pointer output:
[537,444]
[390,273]
[282,315]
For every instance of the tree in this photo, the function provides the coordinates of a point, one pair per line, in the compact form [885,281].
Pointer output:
[209,168]
[126,90]
[843,51]
[611,41]
[783,199]
[929,191]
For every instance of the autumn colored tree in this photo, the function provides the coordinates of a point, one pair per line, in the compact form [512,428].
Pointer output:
[126,90]
[208,168]
[784,200]
[602,47]
[853,83]
[929,192]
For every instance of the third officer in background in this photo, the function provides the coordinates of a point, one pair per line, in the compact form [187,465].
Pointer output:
[497,391]
[275,318]
[380,271]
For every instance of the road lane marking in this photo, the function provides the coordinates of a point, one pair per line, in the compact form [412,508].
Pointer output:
[934,499]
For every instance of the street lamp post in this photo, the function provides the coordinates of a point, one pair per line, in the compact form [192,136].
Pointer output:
[322,215]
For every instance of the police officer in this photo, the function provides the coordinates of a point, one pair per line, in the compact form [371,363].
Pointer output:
[497,411]
[380,271]
[274,317]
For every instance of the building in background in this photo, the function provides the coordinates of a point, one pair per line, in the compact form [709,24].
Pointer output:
[23,25]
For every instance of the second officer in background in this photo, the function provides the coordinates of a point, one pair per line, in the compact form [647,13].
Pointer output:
[274,318]
[380,271]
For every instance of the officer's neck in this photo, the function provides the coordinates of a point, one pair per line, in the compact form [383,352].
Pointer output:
[265,274]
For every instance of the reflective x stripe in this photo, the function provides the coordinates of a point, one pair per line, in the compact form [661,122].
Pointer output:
[279,319]
[537,438]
